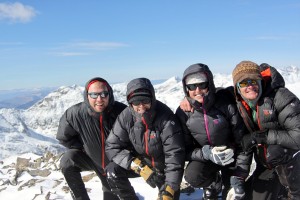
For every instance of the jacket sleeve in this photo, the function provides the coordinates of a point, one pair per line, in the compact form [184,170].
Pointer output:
[288,107]
[190,152]
[66,134]
[117,144]
[174,151]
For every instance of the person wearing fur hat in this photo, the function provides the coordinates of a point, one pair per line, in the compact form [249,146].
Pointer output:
[146,141]
[272,116]
[213,133]
[83,129]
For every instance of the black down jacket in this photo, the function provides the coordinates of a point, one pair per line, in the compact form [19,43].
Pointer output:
[81,127]
[278,112]
[159,140]
[215,122]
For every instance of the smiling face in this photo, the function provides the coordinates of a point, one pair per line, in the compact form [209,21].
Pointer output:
[249,89]
[100,103]
[198,94]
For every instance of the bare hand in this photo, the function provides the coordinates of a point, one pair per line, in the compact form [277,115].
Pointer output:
[186,106]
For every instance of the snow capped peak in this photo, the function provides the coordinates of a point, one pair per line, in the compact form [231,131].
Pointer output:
[291,74]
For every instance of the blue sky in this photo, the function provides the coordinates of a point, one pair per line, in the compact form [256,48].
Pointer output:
[66,42]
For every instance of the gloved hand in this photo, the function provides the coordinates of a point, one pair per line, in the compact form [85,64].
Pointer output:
[166,193]
[220,155]
[153,178]
[251,139]
[237,191]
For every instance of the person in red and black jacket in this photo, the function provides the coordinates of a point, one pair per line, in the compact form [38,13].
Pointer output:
[83,129]
[145,141]
[272,116]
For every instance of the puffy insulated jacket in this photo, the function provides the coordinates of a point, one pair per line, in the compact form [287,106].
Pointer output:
[278,112]
[81,127]
[158,140]
[215,122]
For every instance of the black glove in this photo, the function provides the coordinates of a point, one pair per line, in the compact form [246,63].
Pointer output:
[255,138]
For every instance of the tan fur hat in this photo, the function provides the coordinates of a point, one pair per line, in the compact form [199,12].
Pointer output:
[245,70]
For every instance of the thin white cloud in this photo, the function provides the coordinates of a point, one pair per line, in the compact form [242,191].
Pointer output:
[85,48]
[16,12]
[98,45]
[69,54]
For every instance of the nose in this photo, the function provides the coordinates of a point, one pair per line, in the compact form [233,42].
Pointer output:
[198,89]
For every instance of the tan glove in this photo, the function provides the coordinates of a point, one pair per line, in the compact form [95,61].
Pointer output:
[167,193]
[144,171]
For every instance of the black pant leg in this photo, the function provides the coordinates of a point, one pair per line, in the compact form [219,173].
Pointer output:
[226,173]
[72,163]
[75,161]
[107,193]
[200,174]
[289,175]
[263,184]
[119,183]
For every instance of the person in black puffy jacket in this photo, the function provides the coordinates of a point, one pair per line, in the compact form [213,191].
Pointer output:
[146,141]
[213,132]
[272,115]
[83,129]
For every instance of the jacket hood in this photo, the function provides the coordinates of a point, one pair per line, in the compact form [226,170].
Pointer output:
[140,84]
[110,92]
[272,79]
[200,68]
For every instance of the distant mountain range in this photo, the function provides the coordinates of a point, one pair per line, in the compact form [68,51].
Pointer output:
[33,129]
[23,98]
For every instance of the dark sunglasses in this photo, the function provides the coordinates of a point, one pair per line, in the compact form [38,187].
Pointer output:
[246,83]
[144,101]
[193,87]
[94,95]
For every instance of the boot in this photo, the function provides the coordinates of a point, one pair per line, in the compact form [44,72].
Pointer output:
[213,190]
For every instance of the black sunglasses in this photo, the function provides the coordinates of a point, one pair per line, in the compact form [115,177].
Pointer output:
[144,101]
[193,87]
[94,95]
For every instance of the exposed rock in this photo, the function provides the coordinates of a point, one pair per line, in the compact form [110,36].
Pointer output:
[39,172]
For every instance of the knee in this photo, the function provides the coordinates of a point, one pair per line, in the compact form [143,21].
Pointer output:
[196,180]
[68,160]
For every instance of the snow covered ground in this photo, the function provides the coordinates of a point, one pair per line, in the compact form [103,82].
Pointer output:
[47,182]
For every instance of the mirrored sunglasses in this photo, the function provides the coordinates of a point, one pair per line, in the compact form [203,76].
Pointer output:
[246,83]
[144,101]
[193,87]
[94,95]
